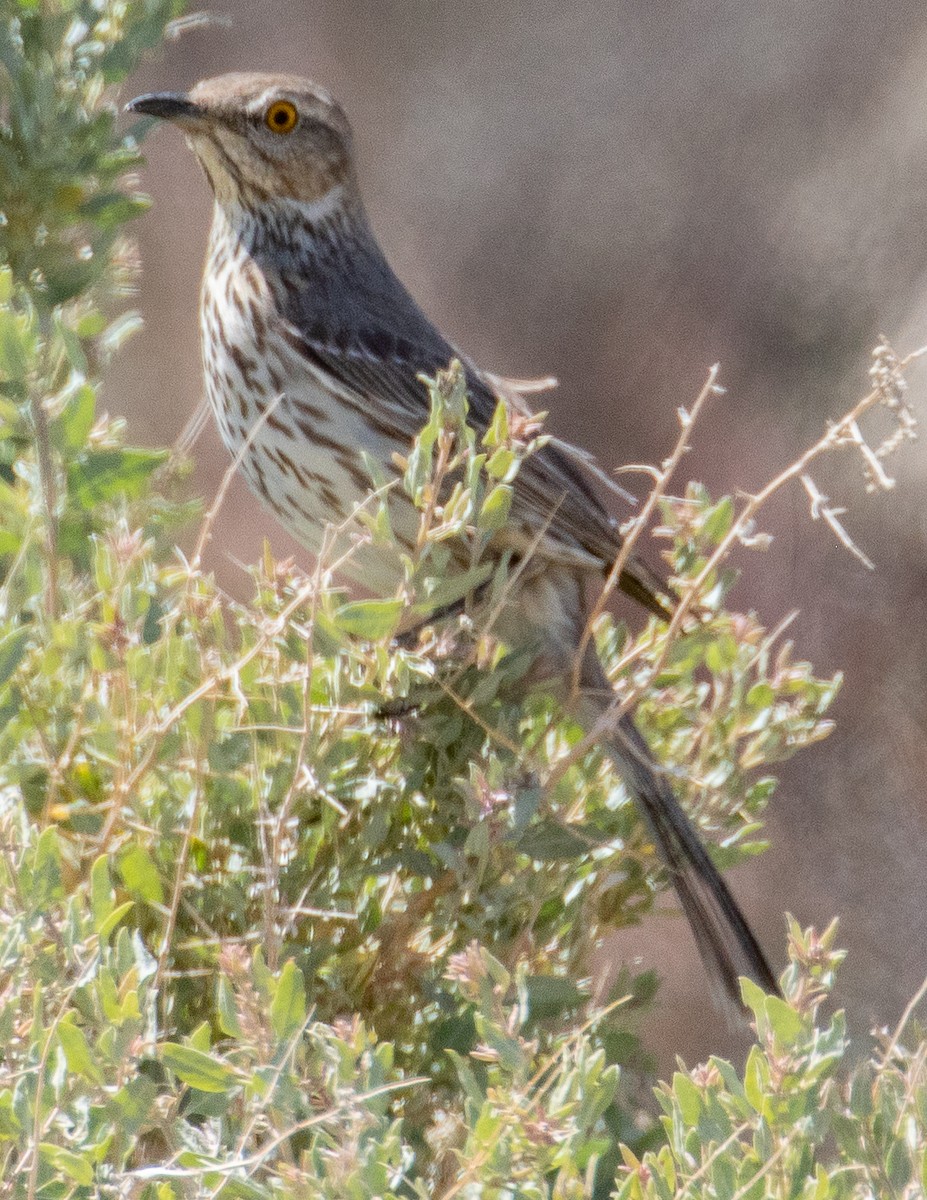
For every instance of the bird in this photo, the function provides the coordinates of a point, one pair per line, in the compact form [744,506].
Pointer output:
[313,356]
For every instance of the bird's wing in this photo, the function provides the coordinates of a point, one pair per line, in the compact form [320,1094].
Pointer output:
[357,325]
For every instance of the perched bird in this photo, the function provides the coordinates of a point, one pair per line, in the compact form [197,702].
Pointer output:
[312,351]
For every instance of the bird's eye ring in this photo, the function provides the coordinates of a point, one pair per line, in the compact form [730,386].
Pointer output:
[281,117]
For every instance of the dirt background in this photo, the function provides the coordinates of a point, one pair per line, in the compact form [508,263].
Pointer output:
[620,194]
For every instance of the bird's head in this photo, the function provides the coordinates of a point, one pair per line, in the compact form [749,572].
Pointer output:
[263,138]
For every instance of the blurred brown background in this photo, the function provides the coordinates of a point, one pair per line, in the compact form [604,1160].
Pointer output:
[621,192]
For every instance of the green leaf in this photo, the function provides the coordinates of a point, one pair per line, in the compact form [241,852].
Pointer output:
[230,753]
[101,891]
[761,696]
[114,919]
[688,1098]
[502,464]
[527,802]
[151,629]
[756,1079]
[467,1078]
[10,1124]
[12,649]
[201,1071]
[11,422]
[754,998]
[226,1009]
[861,1095]
[898,1165]
[288,1008]
[719,521]
[497,433]
[370,619]
[77,1052]
[444,592]
[45,882]
[496,508]
[90,325]
[109,209]
[201,1037]
[241,1189]
[721,654]
[76,420]
[101,475]
[133,1103]
[140,875]
[72,1165]
[787,1025]
[549,842]
[456,1033]
[551,996]
[16,346]
[821,1184]
[723,1178]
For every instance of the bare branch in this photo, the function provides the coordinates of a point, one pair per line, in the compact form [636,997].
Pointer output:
[821,509]
[638,524]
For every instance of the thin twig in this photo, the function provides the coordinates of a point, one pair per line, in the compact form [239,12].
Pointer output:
[210,518]
[764,1170]
[38,1122]
[180,871]
[49,483]
[837,433]
[822,509]
[902,1024]
[252,1161]
[828,441]
[639,523]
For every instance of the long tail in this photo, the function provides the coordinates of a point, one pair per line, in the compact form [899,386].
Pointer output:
[725,941]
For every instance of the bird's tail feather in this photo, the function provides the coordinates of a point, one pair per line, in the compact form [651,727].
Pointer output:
[554,603]
[725,940]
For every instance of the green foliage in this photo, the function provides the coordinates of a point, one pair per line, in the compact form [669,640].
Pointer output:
[291,905]
[60,160]
[797,1122]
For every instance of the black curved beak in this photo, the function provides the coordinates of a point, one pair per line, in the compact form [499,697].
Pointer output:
[167,106]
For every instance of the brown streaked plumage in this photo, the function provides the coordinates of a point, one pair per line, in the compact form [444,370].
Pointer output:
[305,324]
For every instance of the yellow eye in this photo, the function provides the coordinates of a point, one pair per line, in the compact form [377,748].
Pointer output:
[281,117]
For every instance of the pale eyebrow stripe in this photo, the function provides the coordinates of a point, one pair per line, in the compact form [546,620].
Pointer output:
[264,99]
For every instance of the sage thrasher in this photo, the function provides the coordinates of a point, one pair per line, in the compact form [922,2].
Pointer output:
[313,350]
